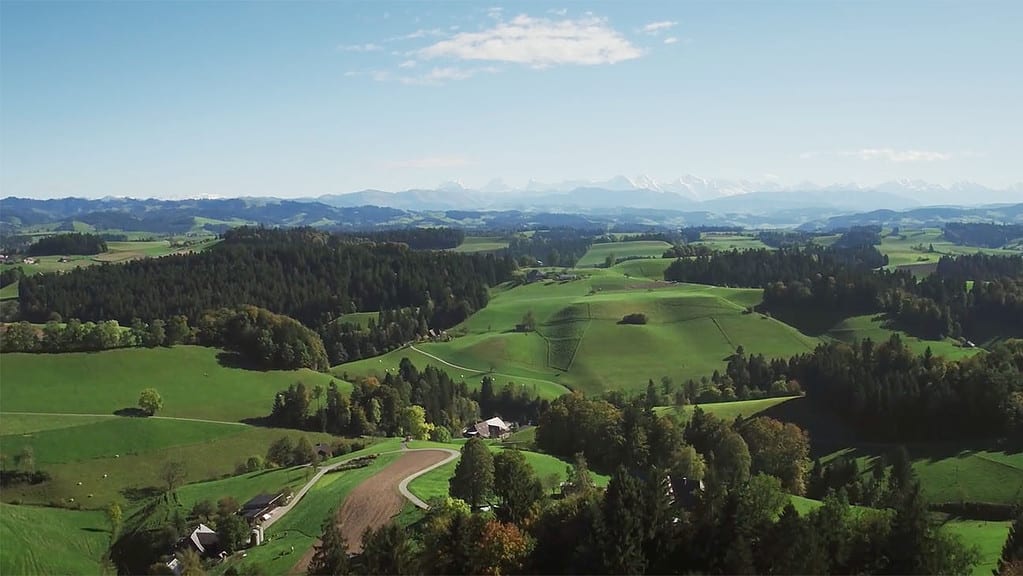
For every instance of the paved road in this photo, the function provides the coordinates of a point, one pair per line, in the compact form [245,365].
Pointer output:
[402,487]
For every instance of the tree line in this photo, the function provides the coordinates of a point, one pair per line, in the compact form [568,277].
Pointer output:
[982,234]
[407,402]
[414,238]
[555,247]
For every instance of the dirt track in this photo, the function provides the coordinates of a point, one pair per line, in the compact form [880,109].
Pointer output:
[375,501]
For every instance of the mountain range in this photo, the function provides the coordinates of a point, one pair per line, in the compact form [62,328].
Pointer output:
[685,193]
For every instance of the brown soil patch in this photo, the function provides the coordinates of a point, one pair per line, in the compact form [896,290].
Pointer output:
[375,501]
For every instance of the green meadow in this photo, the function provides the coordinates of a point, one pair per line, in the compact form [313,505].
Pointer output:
[730,241]
[94,466]
[912,247]
[482,244]
[598,253]
[579,344]
[873,326]
[191,380]
[988,537]
[35,540]
[727,410]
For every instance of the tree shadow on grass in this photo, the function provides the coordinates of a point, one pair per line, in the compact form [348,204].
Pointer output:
[136,493]
[131,412]
[229,359]
[261,421]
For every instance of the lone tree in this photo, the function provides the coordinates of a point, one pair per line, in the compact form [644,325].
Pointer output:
[474,475]
[172,474]
[516,484]
[150,401]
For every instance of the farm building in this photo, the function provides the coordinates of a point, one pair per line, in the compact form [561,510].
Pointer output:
[492,428]
[205,541]
[324,450]
[259,506]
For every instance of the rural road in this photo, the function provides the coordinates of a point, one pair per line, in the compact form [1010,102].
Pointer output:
[402,486]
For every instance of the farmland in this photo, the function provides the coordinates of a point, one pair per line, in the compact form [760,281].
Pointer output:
[102,382]
[52,540]
[117,251]
[913,248]
[598,253]
[482,244]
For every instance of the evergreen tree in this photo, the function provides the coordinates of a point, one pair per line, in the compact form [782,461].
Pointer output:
[387,551]
[623,538]
[331,556]
[1011,560]
[516,484]
[474,475]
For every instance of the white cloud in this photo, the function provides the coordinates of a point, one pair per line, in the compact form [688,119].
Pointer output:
[407,64]
[539,42]
[558,11]
[421,33]
[361,48]
[438,76]
[431,162]
[658,27]
[670,40]
[900,156]
[883,154]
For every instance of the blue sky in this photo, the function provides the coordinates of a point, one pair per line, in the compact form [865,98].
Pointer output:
[300,99]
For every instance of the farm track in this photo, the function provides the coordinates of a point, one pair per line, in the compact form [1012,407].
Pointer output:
[475,371]
[379,498]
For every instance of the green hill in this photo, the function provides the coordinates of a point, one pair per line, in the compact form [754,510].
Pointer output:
[598,253]
[52,540]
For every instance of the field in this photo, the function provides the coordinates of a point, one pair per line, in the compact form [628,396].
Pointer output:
[579,343]
[52,540]
[482,244]
[435,483]
[870,326]
[95,466]
[597,253]
[102,382]
[728,241]
[988,537]
[116,252]
[911,248]
[649,268]
[727,410]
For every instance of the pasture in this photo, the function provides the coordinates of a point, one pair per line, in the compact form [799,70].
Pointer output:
[579,344]
[120,458]
[39,540]
[193,381]
[913,248]
[727,411]
[482,244]
[730,241]
[988,537]
[598,253]
[117,251]
[874,327]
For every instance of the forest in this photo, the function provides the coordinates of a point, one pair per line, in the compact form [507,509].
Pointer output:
[73,243]
[308,275]
[981,234]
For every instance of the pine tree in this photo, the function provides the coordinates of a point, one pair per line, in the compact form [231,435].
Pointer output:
[1011,561]
[474,475]
[331,557]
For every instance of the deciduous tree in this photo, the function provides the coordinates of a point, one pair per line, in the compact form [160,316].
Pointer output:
[150,401]
[474,475]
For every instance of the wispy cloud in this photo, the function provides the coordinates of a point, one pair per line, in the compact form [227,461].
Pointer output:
[558,11]
[883,154]
[361,47]
[431,162]
[670,40]
[539,43]
[407,64]
[655,28]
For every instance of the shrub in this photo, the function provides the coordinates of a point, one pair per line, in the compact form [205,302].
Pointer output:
[635,318]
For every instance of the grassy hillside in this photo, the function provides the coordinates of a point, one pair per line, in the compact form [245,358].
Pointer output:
[873,327]
[482,244]
[912,248]
[598,253]
[728,410]
[988,537]
[579,343]
[51,540]
[116,252]
[649,268]
[191,379]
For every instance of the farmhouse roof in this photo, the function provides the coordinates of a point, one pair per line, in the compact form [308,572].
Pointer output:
[204,538]
[496,421]
[260,502]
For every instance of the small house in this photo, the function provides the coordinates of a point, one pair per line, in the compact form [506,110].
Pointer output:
[492,428]
[535,276]
[324,450]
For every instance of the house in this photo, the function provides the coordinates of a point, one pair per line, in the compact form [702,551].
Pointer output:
[567,277]
[535,276]
[492,428]
[324,450]
[175,566]
[29,260]
[205,541]
[259,506]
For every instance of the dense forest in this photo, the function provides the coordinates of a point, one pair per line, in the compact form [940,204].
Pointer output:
[555,247]
[416,238]
[979,234]
[73,243]
[307,275]
[707,497]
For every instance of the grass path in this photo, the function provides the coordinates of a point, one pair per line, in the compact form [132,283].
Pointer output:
[494,375]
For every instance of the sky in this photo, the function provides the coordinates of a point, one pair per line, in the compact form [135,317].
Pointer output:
[299,99]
